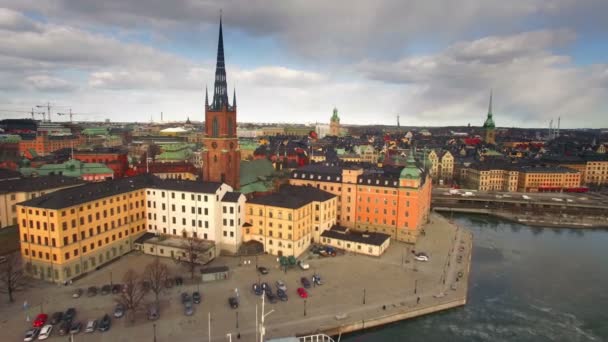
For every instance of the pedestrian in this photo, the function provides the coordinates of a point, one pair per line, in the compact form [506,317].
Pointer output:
[418,301]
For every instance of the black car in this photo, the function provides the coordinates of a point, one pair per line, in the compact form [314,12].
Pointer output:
[69,314]
[64,328]
[305,282]
[185,298]
[271,297]
[104,323]
[282,295]
[234,302]
[92,291]
[257,289]
[263,270]
[196,297]
[75,327]
[57,318]
[116,288]
[106,289]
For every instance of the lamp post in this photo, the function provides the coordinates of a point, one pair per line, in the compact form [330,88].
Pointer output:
[110,278]
[415,286]
[363,296]
[154,328]
[304,307]
[237,319]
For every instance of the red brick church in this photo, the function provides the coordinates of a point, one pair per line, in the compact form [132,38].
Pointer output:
[221,153]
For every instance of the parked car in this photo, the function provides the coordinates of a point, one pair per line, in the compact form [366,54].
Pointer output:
[179,281]
[305,282]
[92,291]
[317,280]
[233,302]
[64,328]
[186,298]
[31,334]
[45,332]
[266,287]
[119,310]
[75,327]
[303,265]
[196,297]
[116,288]
[153,313]
[69,314]
[271,297]
[106,289]
[188,309]
[282,295]
[257,289]
[302,293]
[91,326]
[77,293]
[105,323]
[56,318]
[40,320]
[281,285]
[263,270]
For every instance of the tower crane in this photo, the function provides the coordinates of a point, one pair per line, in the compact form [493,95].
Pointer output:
[71,114]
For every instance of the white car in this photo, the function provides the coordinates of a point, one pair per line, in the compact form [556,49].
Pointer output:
[31,334]
[304,265]
[281,285]
[421,257]
[45,332]
[91,326]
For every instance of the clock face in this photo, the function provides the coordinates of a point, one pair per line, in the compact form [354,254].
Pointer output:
[214,144]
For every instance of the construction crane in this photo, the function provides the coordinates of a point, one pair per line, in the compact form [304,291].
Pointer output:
[48,107]
[32,113]
[71,114]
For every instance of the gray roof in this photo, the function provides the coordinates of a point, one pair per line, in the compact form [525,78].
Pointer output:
[341,233]
[94,191]
[293,197]
[231,196]
[37,183]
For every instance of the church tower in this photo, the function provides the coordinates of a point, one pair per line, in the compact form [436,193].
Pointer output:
[489,126]
[221,154]
[334,124]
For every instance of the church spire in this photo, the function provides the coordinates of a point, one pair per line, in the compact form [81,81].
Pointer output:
[234,98]
[220,91]
[206,97]
[490,105]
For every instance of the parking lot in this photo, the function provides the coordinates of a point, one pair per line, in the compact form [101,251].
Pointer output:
[355,287]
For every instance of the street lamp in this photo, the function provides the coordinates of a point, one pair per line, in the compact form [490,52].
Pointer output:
[363,296]
[237,319]
[154,327]
[304,307]
[415,286]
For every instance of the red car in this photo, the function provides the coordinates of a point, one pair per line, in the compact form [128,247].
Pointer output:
[40,320]
[302,292]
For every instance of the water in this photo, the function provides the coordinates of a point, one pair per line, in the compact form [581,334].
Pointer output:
[527,284]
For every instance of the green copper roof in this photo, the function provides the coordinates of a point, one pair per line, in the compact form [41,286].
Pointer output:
[410,171]
[71,168]
[335,117]
[255,170]
[95,131]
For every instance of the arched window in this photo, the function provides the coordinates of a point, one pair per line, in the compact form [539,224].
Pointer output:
[229,127]
[215,127]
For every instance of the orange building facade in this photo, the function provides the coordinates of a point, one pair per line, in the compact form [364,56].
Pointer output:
[397,204]
[45,144]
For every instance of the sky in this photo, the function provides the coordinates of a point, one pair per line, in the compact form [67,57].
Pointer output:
[433,63]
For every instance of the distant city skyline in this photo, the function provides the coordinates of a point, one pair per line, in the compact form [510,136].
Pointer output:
[433,64]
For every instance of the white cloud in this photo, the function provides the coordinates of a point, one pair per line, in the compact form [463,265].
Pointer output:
[49,83]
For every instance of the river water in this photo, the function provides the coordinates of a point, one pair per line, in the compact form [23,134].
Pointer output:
[527,284]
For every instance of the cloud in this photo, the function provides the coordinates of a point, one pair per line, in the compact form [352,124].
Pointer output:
[49,83]
[531,84]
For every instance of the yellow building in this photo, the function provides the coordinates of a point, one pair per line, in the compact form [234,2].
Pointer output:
[532,179]
[441,166]
[286,222]
[18,190]
[596,171]
[78,229]
[490,177]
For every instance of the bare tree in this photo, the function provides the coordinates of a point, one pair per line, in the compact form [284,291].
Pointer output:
[133,293]
[193,249]
[156,274]
[12,278]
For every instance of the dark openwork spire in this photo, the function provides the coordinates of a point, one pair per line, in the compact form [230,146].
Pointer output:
[234,99]
[206,97]
[220,92]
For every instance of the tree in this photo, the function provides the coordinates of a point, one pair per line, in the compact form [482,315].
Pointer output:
[12,278]
[153,151]
[156,274]
[193,248]
[133,293]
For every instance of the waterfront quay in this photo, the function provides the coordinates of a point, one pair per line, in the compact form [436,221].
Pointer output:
[359,292]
